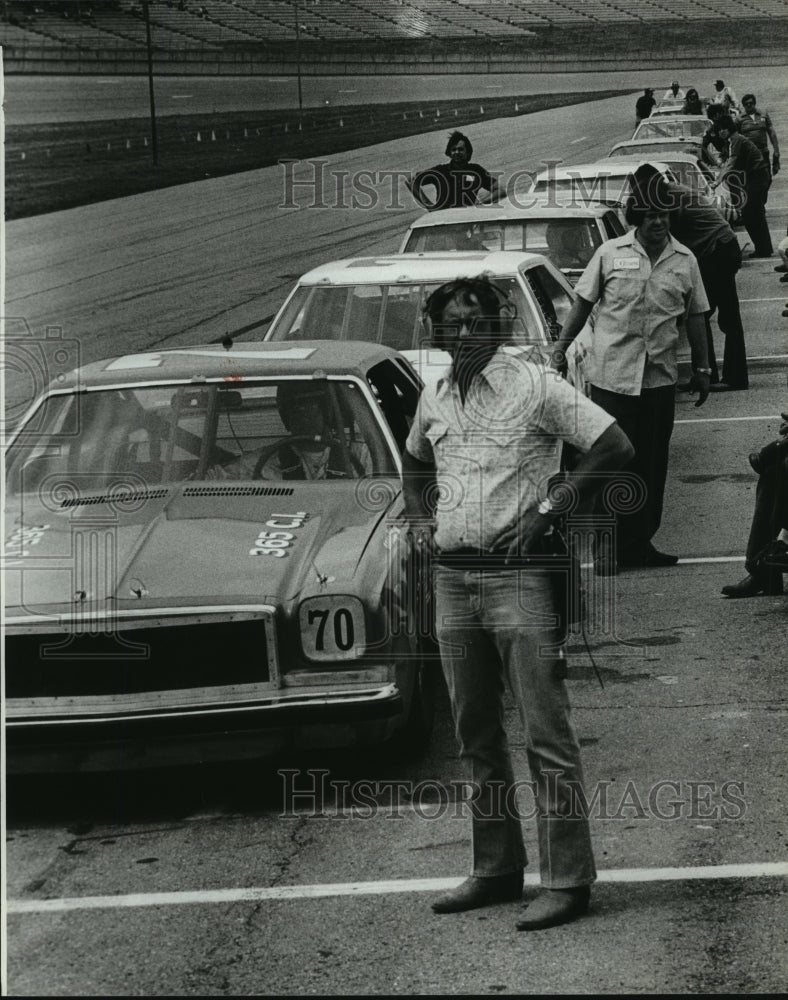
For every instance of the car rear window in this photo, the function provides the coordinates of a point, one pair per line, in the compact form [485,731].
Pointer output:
[568,243]
[603,187]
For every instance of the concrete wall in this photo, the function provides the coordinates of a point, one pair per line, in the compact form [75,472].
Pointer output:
[56,60]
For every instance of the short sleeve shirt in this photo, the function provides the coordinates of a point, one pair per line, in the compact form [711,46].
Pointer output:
[456,187]
[494,455]
[639,308]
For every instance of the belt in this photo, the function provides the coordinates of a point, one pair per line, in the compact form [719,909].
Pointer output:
[479,559]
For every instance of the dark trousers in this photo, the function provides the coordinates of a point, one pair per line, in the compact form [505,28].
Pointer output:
[718,271]
[771,506]
[647,420]
[753,216]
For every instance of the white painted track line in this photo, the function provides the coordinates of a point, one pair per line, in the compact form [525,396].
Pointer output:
[689,561]
[725,420]
[713,559]
[287,892]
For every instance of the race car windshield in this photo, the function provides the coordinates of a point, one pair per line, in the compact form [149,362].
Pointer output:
[133,438]
[671,129]
[388,314]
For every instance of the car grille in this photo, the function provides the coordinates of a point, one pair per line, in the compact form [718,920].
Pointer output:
[238,491]
[120,498]
[133,660]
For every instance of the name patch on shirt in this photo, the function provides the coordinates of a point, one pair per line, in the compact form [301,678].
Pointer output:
[626,263]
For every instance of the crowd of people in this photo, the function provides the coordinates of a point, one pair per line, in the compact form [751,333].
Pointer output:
[489,433]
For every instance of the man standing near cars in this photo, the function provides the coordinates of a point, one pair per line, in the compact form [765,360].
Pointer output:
[746,173]
[644,284]
[724,96]
[488,435]
[457,183]
[644,105]
[701,228]
[712,146]
[759,130]
[674,93]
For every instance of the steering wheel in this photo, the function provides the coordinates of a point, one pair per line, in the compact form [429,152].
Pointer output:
[298,439]
[272,449]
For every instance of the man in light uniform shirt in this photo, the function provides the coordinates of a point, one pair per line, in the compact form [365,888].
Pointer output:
[758,128]
[643,284]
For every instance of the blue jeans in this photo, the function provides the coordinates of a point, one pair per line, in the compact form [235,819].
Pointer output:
[495,627]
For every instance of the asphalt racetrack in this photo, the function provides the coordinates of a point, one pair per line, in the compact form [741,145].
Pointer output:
[193,882]
[30,100]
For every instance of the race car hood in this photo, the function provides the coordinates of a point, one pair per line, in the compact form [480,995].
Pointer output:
[195,544]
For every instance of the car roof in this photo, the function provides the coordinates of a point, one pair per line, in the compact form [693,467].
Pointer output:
[677,118]
[247,359]
[410,268]
[644,144]
[579,170]
[663,110]
[677,157]
[507,211]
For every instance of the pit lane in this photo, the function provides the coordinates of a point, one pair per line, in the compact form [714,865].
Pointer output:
[694,696]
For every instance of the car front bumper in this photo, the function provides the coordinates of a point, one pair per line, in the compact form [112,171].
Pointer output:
[51,740]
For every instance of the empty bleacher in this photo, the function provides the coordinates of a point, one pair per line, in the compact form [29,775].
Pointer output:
[563,27]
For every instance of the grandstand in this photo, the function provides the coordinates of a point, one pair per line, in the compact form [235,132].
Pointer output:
[90,34]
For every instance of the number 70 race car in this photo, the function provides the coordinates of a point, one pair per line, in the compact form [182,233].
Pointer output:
[204,559]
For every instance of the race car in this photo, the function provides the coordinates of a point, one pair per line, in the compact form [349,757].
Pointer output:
[204,560]
[673,127]
[566,235]
[686,163]
[606,182]
[646,148]
[382,298]
[667,108]
[684,167]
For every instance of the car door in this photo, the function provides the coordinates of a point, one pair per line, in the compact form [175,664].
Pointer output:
[612,226]
[396,388]
[552,296]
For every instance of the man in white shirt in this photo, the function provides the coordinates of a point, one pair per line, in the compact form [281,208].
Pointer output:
[674,92]
[488,435]
[724,95]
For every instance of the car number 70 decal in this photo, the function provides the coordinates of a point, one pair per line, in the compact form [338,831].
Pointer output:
[332,627]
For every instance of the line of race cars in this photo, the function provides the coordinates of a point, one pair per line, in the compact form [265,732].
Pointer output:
[205,556]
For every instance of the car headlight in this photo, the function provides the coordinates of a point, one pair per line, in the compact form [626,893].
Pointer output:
[332,627]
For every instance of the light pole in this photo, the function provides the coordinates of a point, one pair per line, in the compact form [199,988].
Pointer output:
[298,58]
[154,138]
